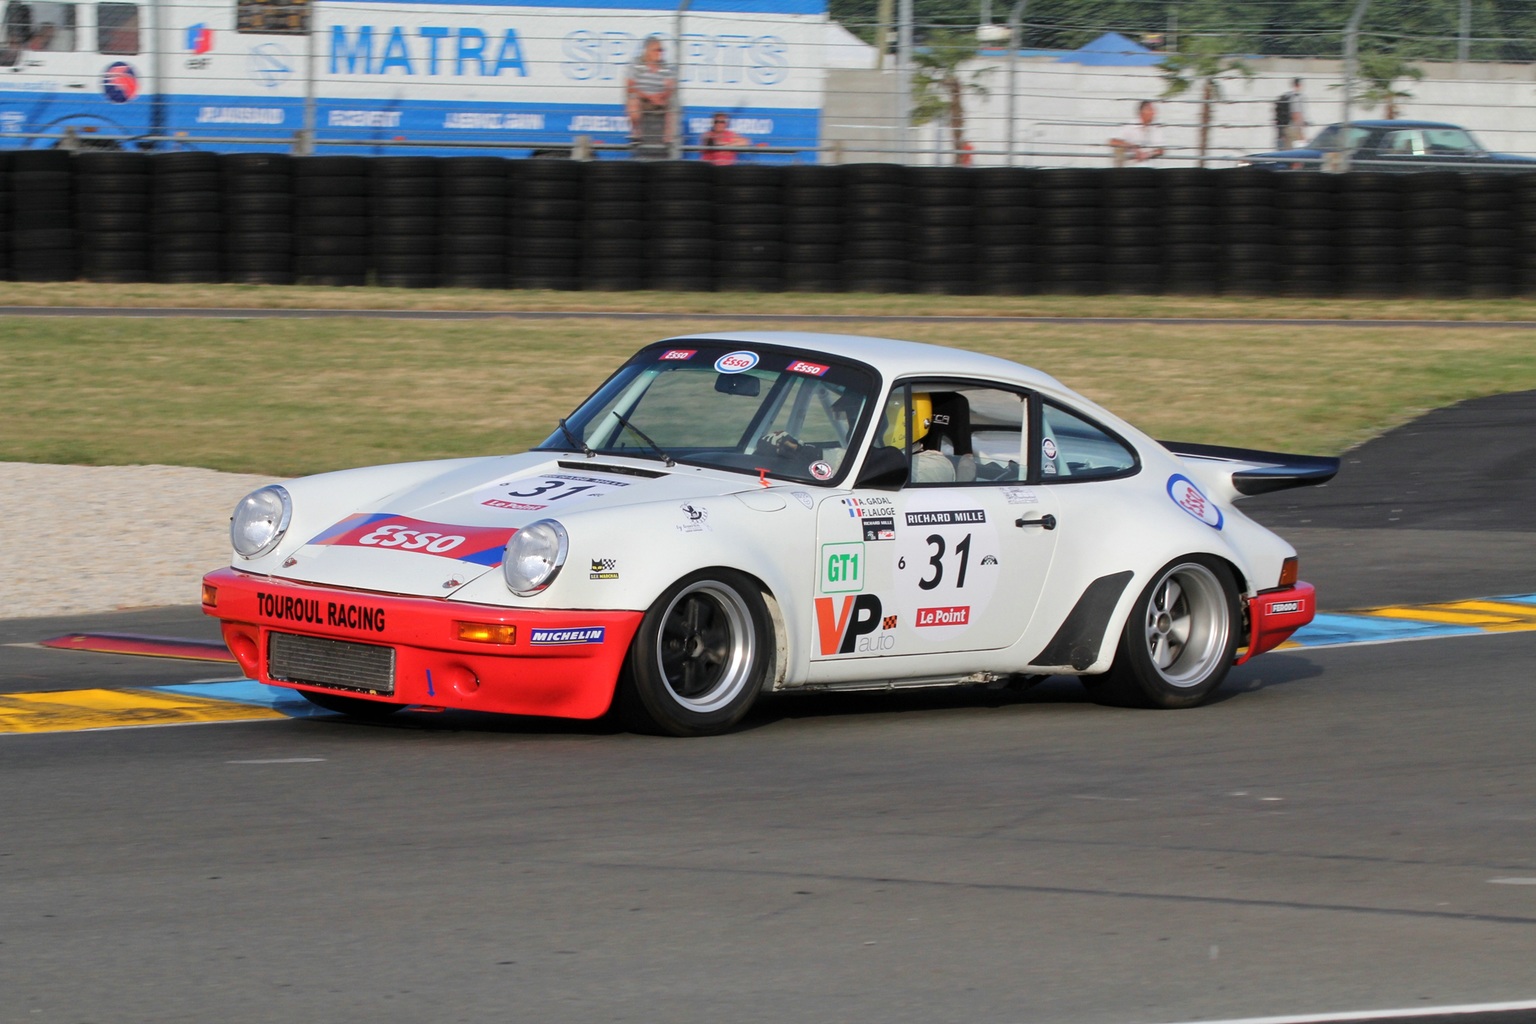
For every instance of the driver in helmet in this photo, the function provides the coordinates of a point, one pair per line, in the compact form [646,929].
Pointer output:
[929,466]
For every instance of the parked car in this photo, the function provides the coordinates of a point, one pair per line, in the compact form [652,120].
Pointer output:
[733,514]
[1394,146]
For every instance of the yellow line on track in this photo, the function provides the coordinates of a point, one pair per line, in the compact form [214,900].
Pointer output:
[75,710]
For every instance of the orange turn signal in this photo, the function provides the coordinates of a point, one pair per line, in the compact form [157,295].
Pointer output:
[1289,572]
[210,595]
[486,632]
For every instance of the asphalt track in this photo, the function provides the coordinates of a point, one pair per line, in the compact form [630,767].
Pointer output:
[1348,830]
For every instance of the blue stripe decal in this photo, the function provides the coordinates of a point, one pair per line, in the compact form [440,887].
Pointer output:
[1332,630]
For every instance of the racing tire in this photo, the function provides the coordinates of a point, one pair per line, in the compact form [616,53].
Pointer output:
[352,707]
[699,658]
[1179,640]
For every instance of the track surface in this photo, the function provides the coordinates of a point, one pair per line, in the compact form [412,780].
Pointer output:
[1346,829]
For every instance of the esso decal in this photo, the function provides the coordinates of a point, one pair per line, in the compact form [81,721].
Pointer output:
[412,540]
[813,369]
[673,355]
[736,362]
[1190,498]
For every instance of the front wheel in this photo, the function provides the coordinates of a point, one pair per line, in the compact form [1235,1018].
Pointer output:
[1179,640]
[699,658]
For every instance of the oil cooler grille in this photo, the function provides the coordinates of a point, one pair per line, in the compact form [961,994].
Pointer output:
[366,668]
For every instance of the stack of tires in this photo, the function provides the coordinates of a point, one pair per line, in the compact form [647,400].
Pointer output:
[1069,213]
[1371,241]
[1133,253]
[186,226]
[1191,231]
[1308,255]
[1004,230]
[877,210]
[1434,213]
[943,232]
[546,223]
[1249,253]
[813,227]
[44,246]
[258,218]
[1491,235]
[1525,240]
[112,204]
[5,216]
[680,226]
[749,228]
[331,223]
[613,232]
[472,222]
[403,206]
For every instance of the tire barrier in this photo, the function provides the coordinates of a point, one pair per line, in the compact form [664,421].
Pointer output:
[488,222]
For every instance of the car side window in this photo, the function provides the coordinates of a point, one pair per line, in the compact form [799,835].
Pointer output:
[953,433]
[1072,448]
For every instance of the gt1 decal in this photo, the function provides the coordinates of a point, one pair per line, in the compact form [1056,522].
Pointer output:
[673,355]
[842,568]
[736,362]
[879,527]
[1190,498]
[974,515]
[308,610]
[956,616]
[569,637]
[856,625]
[604,569]
[801,366]
[822,470]
[481,545]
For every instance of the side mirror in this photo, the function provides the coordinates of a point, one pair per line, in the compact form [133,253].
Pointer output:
[885,469]
[738,384]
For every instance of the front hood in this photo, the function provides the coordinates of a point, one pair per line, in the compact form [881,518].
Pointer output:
[433,537]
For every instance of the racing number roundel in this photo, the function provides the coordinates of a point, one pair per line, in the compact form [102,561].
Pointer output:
[945,568]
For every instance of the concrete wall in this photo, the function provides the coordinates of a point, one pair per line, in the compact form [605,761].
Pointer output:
[1065,113]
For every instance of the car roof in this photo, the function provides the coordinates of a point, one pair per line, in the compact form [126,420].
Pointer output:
[894,358]
[1403,124]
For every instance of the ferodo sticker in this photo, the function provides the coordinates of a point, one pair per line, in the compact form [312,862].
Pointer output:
[481,545]
[736,362]
[855,624]
[1189,498]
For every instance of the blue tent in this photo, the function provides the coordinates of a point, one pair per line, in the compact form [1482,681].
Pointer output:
[1113,50]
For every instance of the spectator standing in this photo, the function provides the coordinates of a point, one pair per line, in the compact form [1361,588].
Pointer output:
[720,143]
[648,101]
[1290,117]
[1140,140]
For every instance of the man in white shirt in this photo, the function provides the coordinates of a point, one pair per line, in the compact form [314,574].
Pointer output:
[1139,141]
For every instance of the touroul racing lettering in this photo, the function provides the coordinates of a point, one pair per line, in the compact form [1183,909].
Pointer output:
[566,637]
[849,628]
[311,611]
[481,545]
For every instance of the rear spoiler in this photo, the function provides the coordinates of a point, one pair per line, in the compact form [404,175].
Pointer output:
[1260,472]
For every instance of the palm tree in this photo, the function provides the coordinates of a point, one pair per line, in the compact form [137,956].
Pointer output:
[1204,61]
[939,87]
[1379,71]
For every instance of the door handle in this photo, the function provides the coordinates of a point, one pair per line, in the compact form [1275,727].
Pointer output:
[1048,521]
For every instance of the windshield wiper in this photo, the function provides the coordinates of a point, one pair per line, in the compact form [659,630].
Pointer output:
[665,458]
[577,442]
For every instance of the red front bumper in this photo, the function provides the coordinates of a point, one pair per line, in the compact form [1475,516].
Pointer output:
[1273,615]
[562,663]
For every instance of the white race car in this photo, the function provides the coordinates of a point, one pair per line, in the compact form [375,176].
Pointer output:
[736,514]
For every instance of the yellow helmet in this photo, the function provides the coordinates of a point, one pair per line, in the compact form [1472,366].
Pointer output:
[895,435]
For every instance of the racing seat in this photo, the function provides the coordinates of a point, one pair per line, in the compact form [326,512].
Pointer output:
[949,438]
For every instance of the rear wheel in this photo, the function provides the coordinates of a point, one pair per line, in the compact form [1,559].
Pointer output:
[699,658]
[353,707]
[1179,640]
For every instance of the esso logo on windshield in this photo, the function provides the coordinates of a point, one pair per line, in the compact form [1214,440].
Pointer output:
[1188,497]
[736,362]
[411,540]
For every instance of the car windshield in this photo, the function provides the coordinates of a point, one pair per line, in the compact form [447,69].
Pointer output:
[753,409]
[1333,137]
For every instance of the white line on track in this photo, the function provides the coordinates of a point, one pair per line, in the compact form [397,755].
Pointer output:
[1418,1011]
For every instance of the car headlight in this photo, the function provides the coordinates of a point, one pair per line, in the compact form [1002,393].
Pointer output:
[534,556]
[260,520]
